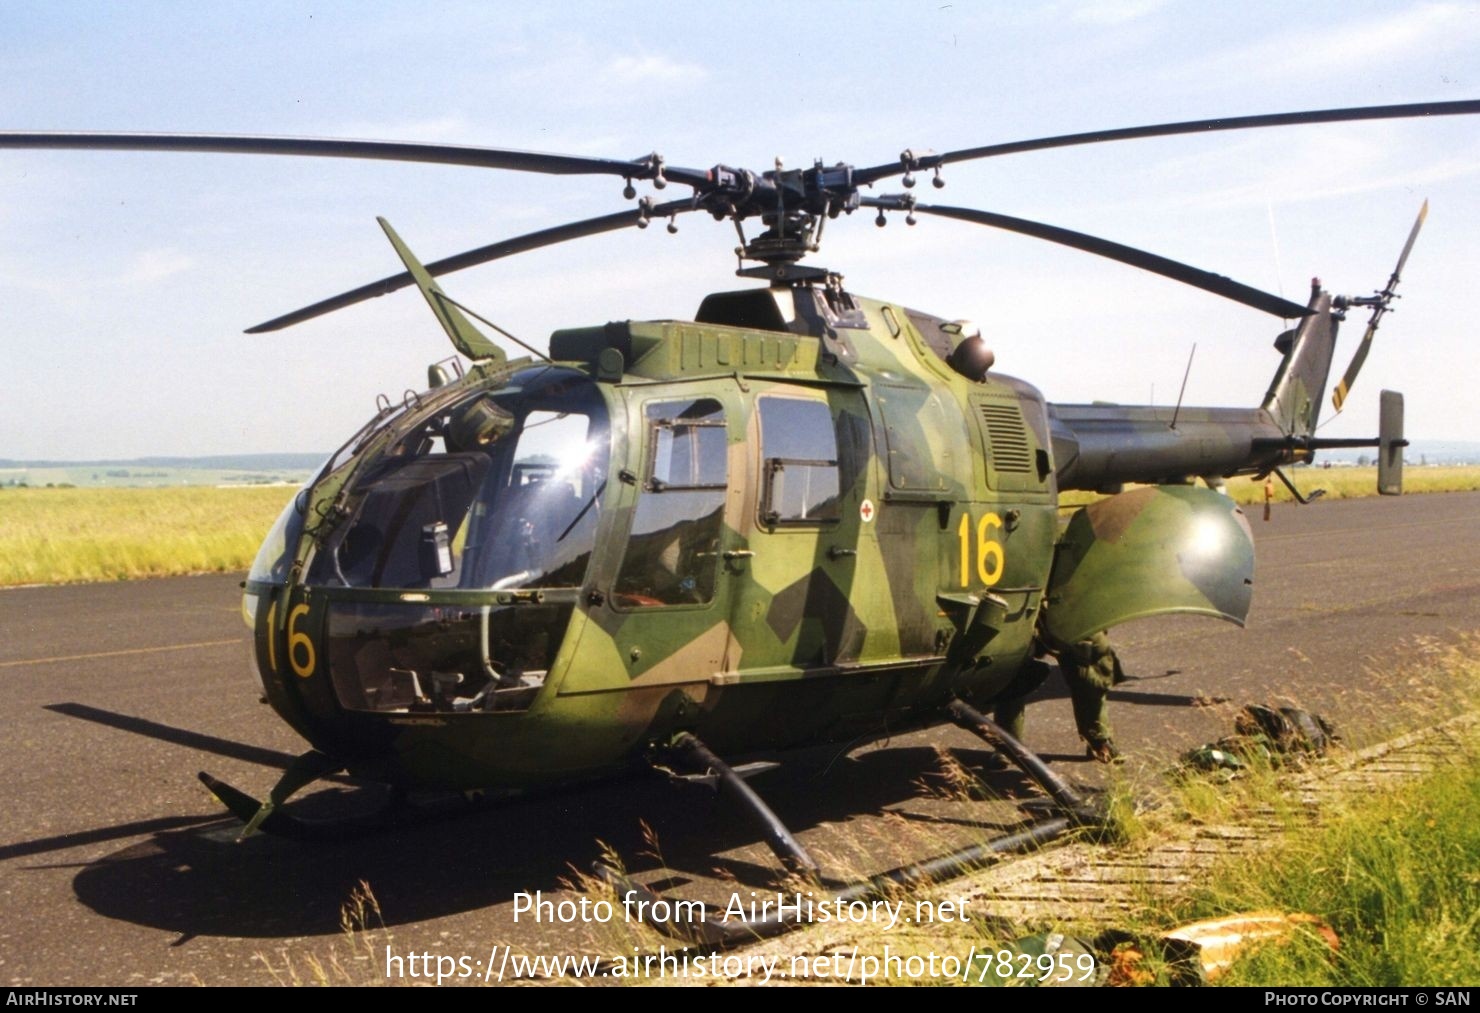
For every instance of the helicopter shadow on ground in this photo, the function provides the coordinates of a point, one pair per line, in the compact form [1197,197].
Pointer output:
[200,881]
[1054,688]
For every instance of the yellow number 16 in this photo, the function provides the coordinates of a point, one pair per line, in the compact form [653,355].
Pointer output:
[300,645]
[989,555]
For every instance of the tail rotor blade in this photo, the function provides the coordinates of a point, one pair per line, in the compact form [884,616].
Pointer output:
[1338,396]
[1423,213]
[1380,304]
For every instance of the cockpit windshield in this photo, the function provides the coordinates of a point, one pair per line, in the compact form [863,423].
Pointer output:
[501,489]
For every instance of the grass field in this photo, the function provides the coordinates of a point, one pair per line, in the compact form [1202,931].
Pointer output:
[1391,870]
[1394,878]
[51,536]
[1338,483]
[1393,873]
[72,535]
[1352,483]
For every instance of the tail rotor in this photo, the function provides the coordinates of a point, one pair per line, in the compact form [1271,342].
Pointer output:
[1380,303]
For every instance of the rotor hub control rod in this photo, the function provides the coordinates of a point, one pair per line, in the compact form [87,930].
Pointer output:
[689,751]
[978,724]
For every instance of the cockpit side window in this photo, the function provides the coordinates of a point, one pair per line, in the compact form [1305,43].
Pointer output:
[501,489]
[402,533]
[538,524]
[673,547]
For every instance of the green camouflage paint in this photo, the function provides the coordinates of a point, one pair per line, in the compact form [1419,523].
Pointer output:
[935,567]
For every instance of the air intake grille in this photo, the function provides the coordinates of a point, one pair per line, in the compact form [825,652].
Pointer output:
[1009,440]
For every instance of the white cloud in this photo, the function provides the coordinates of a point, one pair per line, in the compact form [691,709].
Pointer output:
[1407,34]
[1114,12]
[653,68]
[1311,170]
[1321,50]
[1254,194]
[155,265]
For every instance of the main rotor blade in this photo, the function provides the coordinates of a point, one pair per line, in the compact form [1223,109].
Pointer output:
[878,172]
[472,258]
[394,151]
[1198,278]
[1384,299]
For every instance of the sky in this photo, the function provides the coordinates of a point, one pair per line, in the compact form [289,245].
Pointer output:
[126,279]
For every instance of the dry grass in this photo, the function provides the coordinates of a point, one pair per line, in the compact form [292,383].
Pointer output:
[75,535]
[1390,868]
[1392,873]
[1338,483]
[354,959]
[1355,483]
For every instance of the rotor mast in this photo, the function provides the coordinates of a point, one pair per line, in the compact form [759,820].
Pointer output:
[793,205]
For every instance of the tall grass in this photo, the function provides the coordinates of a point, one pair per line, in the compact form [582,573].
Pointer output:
[1395,872]
[353,959]
[72,535]
[1395,877]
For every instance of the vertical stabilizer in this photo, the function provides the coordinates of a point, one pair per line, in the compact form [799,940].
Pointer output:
[1294,398]
[1390,444]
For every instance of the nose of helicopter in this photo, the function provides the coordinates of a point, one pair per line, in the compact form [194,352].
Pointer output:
[429,575]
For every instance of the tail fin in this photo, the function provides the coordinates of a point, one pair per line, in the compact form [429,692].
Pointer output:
[1390,444]
[1294,397]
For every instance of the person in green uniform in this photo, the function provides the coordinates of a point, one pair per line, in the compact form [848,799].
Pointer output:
[1090,668]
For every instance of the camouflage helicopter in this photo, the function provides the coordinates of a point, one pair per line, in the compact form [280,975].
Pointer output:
[802,516]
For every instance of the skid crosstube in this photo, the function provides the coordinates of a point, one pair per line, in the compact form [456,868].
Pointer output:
[1075,812]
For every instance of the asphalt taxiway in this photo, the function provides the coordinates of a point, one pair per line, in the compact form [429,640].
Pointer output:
[117,868]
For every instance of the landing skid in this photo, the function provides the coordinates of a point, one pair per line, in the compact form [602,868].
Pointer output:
[690,760]
[269,817]
[1074,812]
[264,817]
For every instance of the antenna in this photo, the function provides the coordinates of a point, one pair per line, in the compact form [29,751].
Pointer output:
[1185,374]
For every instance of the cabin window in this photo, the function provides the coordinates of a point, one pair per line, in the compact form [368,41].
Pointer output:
[799,451]
[676,528]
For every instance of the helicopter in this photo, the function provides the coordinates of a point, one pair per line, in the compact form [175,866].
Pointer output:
[802,516]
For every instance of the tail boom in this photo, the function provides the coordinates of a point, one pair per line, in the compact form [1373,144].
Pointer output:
[1100,447]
